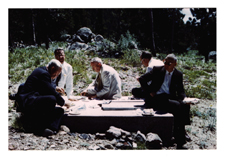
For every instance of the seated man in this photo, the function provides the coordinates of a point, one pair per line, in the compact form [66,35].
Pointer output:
[107,84]
[37,100]
[166,93]
[66,76]
[149,63]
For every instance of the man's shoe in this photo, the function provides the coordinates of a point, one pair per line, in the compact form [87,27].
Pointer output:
[47,133]
[12,96]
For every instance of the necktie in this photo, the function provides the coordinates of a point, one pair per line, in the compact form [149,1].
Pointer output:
[99,82]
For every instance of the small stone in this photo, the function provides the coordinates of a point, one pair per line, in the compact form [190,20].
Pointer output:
[113,142]
[140,137]
[94,147]
[100,135]
[153,141]
[85,136]
[127,145]
[64,128]
[52,146]
[134,145]
[109,146]
[119,145]
[62,132]
[102,147]
[84,144]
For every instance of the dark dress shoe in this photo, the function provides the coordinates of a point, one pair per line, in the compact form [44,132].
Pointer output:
[47,133]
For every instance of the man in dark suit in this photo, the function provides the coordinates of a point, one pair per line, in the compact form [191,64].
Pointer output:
[166,93]
[37,100]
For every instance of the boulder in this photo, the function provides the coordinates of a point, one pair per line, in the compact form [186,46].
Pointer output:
[212,55]
[85,34]
[153,141]
[98,38]
[78,46]
[65,36]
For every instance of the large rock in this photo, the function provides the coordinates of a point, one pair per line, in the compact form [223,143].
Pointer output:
[153,141]
[85,34]
[78,46]
[98,38]
[212,55]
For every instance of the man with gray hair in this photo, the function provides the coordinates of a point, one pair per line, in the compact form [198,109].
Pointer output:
[166,93]
[36,100]
[107,84]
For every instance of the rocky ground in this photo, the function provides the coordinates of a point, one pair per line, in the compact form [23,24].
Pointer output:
[202,129]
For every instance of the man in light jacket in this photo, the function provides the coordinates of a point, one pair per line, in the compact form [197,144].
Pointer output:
[107,84]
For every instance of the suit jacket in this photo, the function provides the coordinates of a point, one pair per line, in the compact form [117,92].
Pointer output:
[110,83]
[37,84]
[156,75]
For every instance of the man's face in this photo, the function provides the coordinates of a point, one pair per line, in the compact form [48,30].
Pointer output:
[96,66]
[144,62]
[169,64]
[54,73]
[60,56]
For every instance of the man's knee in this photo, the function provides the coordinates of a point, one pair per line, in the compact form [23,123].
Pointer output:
[51,100]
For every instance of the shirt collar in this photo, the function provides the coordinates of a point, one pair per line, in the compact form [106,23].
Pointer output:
[171,73]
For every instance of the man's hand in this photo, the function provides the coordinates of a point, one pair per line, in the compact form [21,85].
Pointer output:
[83,93]
[67,104]
[60,90]
[152,94]
[92,97]
[137,78]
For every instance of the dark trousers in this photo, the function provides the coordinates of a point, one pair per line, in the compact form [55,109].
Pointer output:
[42,113]
[138,92]
[180,111]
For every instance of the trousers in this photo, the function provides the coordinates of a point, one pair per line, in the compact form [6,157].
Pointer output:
[180,111]
[42,114]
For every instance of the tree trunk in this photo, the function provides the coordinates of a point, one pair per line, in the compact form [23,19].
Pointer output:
[172,33]
[33,27]
[152,33]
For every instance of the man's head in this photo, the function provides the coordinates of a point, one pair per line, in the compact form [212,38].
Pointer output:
[60,55]
[170,62]
[54,68]
[145,58]
[96,64]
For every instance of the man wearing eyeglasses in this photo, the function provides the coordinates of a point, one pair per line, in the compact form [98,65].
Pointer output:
[166,93]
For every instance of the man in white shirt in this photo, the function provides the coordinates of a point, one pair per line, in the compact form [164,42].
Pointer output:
[107,84]
[66,76]
[149,63]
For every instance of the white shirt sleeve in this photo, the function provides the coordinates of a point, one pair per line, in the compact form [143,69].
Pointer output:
[67,79]
[69,82]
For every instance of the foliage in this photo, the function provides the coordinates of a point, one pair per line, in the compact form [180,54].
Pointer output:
[199,77]
[171,34]
[126,41]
